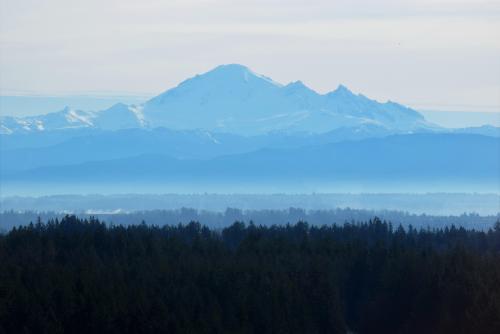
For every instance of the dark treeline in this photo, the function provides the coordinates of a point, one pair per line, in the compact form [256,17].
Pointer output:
[84,276]
[217,220]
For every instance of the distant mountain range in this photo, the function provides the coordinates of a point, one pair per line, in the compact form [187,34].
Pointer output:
[232,125]
[24,152]
[234,99]
[404,159]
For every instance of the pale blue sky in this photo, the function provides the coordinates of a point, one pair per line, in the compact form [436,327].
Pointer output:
[430,54]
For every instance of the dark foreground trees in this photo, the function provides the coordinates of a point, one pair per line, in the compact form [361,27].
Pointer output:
[77,276]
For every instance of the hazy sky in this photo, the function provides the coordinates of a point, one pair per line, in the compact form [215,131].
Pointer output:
[426,53]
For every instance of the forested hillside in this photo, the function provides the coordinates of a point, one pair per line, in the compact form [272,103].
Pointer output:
[82,276]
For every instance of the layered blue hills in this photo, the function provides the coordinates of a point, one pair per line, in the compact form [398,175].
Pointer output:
[445,159]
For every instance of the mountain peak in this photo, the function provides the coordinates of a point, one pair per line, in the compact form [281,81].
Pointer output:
[231,68]
[236,72]
[297,83]
[299,86]
[343,90]
[117,106]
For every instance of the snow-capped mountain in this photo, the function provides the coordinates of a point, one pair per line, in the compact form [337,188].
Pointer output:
[119,116]
[63,119]
[232,98]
